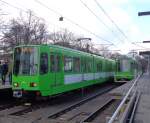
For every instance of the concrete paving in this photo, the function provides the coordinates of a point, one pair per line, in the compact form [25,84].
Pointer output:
[142,114]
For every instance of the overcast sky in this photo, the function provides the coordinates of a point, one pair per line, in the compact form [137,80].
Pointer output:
[123,12]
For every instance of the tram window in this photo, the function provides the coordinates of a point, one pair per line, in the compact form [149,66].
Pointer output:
[44,63]
[119,66]
[89,66]
[25,61]
[84,65]
[55,63]
[52,66]
[99,67]
[76,64]
[68,64]
[133,66]
[57,67]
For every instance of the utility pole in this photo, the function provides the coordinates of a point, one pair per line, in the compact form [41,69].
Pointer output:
[148,68]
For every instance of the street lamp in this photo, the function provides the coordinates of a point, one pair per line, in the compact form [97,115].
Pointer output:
[146,41]
[143,13]
[79,39]
[61,18]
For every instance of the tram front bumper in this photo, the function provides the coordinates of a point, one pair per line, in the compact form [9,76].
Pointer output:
[26,93]
[17,93]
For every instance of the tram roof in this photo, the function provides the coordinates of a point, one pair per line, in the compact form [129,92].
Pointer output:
[67,49]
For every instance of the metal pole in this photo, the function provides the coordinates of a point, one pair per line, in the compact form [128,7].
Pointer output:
[148,69]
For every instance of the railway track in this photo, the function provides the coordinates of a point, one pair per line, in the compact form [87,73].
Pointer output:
[30,108]
[9,104]
[37,105]
[54,110]
[103,115]
[99,110]
[79,103]
[40,104]
[83,110]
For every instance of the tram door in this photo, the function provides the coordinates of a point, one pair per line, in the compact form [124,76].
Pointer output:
[56,69]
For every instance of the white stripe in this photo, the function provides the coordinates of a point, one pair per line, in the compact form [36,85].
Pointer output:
[73,78]
[110,74]
[99,75]
[103,74]
[88,76]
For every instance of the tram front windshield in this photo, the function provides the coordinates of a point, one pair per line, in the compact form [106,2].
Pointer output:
[124,65]
[25,61]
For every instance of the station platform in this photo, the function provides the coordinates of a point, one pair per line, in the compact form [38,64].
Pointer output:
[142,113]
[7,85]
[121,90]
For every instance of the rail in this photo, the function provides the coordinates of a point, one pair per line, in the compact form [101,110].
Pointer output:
[70,107]
[123,101]
[94,114]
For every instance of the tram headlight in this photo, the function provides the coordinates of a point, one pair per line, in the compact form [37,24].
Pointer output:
[33,84]
[16,84]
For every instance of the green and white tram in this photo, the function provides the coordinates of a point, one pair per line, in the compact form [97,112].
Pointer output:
[46,70]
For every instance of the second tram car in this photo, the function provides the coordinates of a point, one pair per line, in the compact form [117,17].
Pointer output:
[127,69]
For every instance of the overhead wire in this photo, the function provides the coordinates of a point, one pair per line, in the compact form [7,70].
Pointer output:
[119,29]
[71,21]
[140,45]
[102,9]
[23,10]
[83,28]
[100,20]
[13,6]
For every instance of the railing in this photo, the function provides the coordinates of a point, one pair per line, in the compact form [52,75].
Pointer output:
[123,101]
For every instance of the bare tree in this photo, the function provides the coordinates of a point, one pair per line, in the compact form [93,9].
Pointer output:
[63,37]
[25,30]
[101,50]
[69,39]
